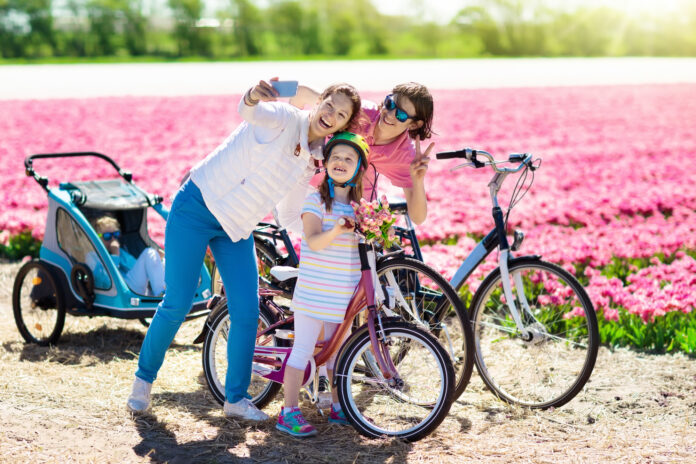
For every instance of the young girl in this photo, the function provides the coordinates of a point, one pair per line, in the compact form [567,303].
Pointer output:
[227,194]
[329,270]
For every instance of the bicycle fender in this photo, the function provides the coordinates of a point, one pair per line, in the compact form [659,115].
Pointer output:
[389,256]
[527,257]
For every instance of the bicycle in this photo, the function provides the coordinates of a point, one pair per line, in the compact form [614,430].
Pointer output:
[419,300]
[392,378]
[565,318]
[535,328]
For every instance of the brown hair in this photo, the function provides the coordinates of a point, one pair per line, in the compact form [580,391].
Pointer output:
[352,94]
[419,95]
[355,193]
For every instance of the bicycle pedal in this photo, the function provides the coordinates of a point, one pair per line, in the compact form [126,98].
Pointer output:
[324,401]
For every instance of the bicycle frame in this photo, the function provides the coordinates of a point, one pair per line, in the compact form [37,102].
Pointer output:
[496,238]
[365,295]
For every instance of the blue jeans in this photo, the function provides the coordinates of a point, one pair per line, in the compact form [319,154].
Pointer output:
[190,229]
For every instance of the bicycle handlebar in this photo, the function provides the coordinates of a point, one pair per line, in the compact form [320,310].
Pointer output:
[525,159]
[43,181]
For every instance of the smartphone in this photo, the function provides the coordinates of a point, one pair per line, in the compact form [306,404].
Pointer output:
[285,88]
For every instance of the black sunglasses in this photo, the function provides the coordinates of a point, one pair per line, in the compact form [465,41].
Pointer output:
[390,104]
[109,235]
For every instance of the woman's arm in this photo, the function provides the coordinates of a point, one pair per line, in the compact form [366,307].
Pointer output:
[415,196]
[305,96]
[318,240]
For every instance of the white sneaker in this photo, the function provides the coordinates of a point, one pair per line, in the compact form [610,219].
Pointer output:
[139,399]
[244,409]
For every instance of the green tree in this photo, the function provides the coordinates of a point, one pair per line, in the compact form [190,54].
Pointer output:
[191,40]
[26,28]
[247,27]
[287,17]
[11,30]
[135,28]
[477,21]
[102,15]
[41,36]
[72,38]
[587,32]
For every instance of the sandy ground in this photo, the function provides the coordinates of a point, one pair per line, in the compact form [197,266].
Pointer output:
[66,404]
[155,79]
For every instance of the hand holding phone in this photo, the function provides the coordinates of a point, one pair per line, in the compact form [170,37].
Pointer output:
[285,88]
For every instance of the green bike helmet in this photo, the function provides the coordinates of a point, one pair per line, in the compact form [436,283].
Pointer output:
[357,143]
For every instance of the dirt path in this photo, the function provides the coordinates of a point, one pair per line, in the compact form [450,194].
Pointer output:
[66,404]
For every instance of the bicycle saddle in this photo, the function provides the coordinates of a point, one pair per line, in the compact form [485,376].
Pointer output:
[283,273]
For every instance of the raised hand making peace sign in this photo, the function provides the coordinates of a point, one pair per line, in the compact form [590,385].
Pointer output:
[419,165]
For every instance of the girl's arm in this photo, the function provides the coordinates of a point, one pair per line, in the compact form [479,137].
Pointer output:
[318,240]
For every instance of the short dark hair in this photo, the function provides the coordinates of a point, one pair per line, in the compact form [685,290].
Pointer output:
[420,96]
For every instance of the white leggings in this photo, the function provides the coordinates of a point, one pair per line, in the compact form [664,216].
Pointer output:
[148,269]
[306,335]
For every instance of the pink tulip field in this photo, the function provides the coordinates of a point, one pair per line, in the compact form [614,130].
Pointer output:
[614,201]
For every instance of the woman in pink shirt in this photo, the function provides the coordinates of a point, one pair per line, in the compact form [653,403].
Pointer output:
[394,130]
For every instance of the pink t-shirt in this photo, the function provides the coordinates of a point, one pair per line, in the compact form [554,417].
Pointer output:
[392,160]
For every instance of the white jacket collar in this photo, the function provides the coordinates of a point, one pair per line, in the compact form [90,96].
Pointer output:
[315,149]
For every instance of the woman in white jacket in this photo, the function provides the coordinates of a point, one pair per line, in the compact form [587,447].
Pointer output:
[227,194]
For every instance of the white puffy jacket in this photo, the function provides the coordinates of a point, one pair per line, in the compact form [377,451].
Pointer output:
[256,166]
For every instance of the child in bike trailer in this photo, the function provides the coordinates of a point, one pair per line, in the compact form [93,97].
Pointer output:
[329,271]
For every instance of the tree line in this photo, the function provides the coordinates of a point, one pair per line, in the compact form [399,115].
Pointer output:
[36,29]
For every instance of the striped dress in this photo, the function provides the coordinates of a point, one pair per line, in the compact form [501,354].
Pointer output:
[327,277]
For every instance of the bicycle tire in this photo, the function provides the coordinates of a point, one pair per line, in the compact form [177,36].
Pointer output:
[215,357]
[553,366]
[438,305]
[37,304]
[376,409]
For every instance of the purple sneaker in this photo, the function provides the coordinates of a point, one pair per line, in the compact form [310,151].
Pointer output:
[337,417]
[293,423]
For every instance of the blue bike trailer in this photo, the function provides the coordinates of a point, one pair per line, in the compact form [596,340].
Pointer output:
[70,241]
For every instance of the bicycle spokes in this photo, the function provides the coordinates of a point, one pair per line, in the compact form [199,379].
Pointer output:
[546,362]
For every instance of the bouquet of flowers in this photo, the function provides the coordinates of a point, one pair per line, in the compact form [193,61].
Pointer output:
[375,220]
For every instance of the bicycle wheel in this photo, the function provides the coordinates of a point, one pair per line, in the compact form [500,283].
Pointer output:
[37,304]
[412,408]
[422,293]
[216,280]
[549,365]
[261,390]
